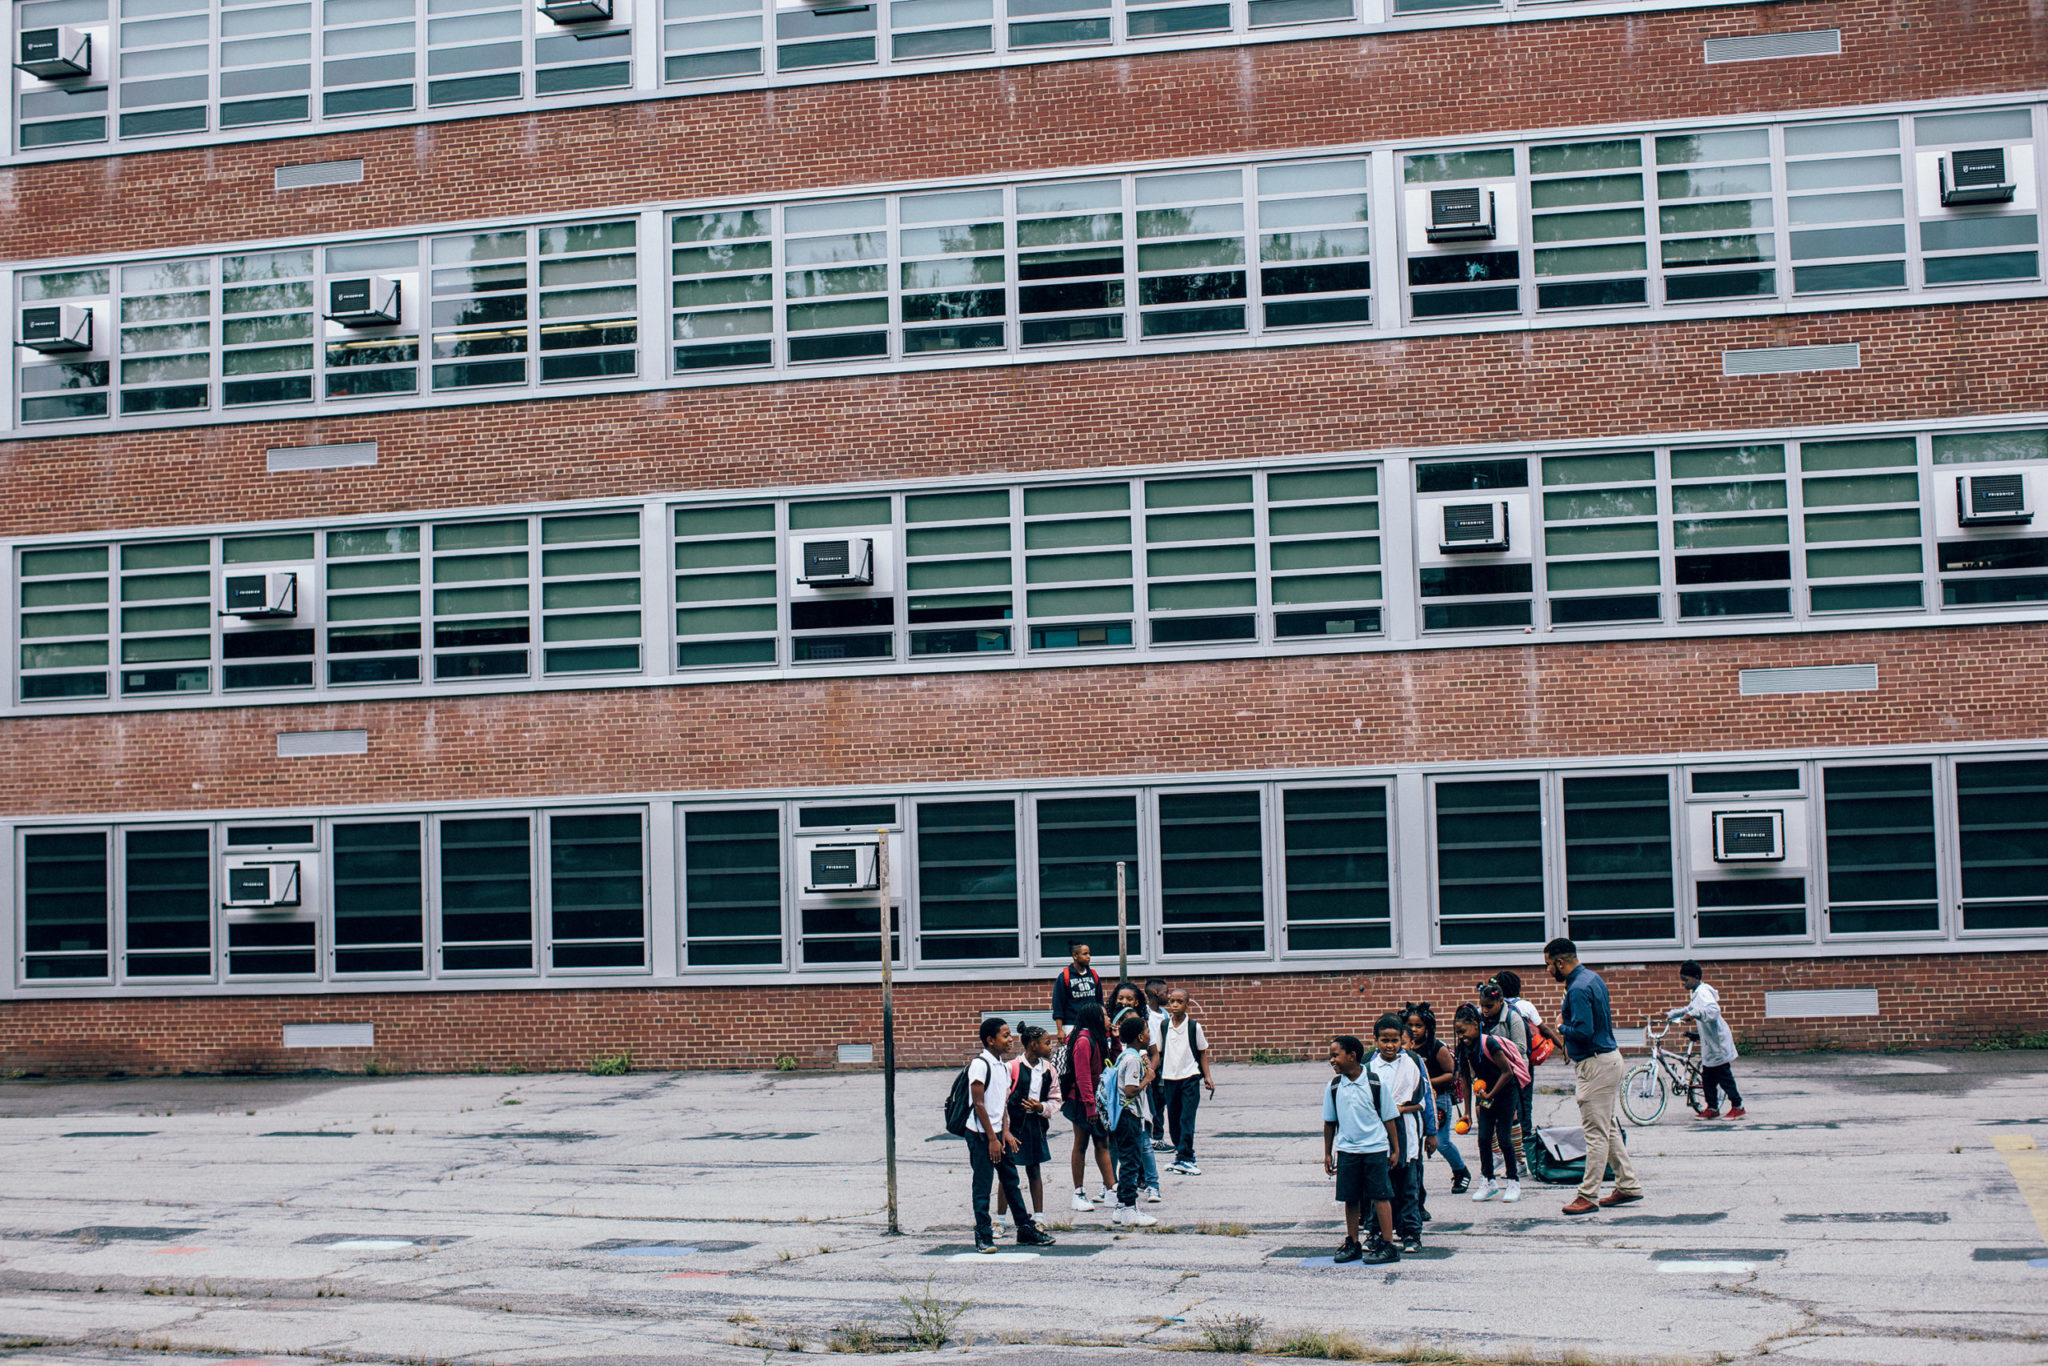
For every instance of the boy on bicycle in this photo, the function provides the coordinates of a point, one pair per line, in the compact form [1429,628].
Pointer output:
[1717,1042]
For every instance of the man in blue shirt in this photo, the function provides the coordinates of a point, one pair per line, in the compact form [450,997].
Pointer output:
[1360,1139]
[1586,1028]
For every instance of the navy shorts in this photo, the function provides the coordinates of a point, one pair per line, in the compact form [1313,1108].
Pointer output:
[1363,1178]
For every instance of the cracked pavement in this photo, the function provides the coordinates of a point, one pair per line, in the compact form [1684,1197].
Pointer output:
[1872,1212]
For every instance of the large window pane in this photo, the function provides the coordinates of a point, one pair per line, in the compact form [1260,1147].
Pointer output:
[1080,842]
[598,911]
[167,904]
[1617,853]
[1880,849]
[1489,862]
[487,895]
[1211,873]
[2002,823]
[732,887]
[1336,859]
[967,880]
[64,906]
[379,898]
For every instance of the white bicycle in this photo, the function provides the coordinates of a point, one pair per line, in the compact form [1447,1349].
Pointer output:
[1648,1086]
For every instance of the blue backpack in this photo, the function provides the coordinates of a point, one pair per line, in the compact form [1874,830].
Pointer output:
[1109,1098]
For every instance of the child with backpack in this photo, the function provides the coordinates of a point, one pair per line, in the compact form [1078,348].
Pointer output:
[1123,1099]
[1032,1093]
[1446,1090]
[1079,1062]
[1401,1075]
[1360,1119]
[1495,1073]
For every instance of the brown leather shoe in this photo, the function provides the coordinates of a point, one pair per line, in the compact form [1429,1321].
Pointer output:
[1619,1198]
[1581,1206]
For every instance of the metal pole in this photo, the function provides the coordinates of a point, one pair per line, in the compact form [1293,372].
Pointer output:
[888,1027]
[1123,954]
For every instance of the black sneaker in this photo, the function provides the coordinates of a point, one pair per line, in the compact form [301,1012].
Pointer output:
[1412,1243]
[984,1243]
[1033,1236]
[1382,1255]
[1461,1182]
[1350,1252]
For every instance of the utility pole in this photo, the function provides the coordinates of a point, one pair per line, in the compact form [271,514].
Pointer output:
[1123,950]
[889,1022]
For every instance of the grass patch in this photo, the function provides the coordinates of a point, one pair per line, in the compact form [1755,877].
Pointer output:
[857,1336]
[2000,1043]
[1319,1344]
[785,1063]
[1268,1056]
[929,1319]
[1227,1229]
[1231,1332]
[611,1064]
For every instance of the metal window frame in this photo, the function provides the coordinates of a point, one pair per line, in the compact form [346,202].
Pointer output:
[1142,909]
[544,896]
[437,939]
[1547,820]
[331,887]
[1956,909]
[1395,863]
[1942,834]
[1558,873]
[913,854]
[19,879]
[786,934]
[1268,837]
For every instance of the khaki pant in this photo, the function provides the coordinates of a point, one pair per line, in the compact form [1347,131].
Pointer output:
[1598,1089]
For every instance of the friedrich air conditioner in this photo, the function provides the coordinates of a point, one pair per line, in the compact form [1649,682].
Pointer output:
[577,11]
[363,301]
[1976,177]
[1471,528]
[57,328]
[259,597]
[1464,214]
[260,886]
[840,562]
[842,866]
[1992,499]
[1749,837]
[55,54]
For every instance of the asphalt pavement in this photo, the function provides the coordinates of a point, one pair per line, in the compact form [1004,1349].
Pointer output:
[1888,1210]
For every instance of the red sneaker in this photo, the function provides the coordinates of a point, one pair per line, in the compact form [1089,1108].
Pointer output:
[1710,1114]
[1737,1112]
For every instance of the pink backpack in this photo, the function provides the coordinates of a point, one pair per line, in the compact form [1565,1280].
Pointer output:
[1503,1052]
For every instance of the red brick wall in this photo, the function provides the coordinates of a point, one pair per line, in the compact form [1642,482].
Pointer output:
[1919,364]
[1227,100]
[1926,1001]
[1438,706]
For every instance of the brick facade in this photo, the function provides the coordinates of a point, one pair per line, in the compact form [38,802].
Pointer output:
[1941,1001]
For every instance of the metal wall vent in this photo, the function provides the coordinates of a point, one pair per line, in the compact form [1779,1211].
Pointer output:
[362,1035]
[281,459]
[300,744]
[1823,678]
[1792,360]
[1771,47]
[1809,1005]
[857,1052]
[314,173]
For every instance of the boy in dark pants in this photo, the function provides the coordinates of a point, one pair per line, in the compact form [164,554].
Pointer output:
[990,1143]
[1717,1042]
[1130,1126]
[1401,1076]
[1360,1120]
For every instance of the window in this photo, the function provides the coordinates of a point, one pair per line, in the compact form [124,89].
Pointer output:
[1472,591]
[597,887]
[1880,849]
[1077,565]
[1314,253]
[1731,531]
[1191,250]
[1200,560]
[1080,842]
[1979,242]
[1336,850]
[1618,882]
[1464,277]
[486,876]
[64,907]
[1601,539]
[1862,522]
[167,907]
[1489,863]
[1752,908]
[2002,819]
[590,593]
[1845,206]
[1716,217]
[1212,896]
[1323,552]
[726,590]
[838,287]
[1590,232]
[967,880]
[373,606]
[830,626]
[950,247]
[732,888]
[379,898]
[1992,567]
[958,550]
[63,623]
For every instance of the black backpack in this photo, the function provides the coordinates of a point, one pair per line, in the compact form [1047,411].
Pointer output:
[960,1103]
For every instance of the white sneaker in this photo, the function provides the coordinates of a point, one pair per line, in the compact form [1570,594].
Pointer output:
[1082,1204]
[1151,1195]
[1485,1190]
[1108,1197]
[1130,1216]
[1513,1193]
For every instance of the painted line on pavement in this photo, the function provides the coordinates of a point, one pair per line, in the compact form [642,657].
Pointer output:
[178,1251]
[116,1133]
[958,1251]
[2029,1167]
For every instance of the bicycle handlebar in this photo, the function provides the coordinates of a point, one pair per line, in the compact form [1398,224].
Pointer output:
[1650,1029]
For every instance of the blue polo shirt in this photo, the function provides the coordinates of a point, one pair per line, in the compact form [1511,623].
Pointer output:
[1586,1022]
[1361,1125]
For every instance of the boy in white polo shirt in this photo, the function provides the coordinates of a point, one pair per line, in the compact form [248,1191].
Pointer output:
[990,1142]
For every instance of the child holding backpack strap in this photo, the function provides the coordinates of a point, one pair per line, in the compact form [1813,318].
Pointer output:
[1495,1074]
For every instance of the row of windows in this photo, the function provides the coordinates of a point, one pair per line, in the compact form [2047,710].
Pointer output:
[178,68]
[1225,561]
[1864,850]
[1713,220]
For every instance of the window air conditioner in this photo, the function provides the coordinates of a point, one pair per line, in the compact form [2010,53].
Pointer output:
[57,328]
[1976,177]
[576,11]
[1461,215]
[843,562]
[56,54]
[263,886]
[842,867]
[1749,836]
[363,301]
[255,597]
[1991,499]
[1475,527]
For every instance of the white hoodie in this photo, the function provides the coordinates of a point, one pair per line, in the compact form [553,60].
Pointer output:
[1717,1041]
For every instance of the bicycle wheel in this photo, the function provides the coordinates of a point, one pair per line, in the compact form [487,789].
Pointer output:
[1642,1094]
